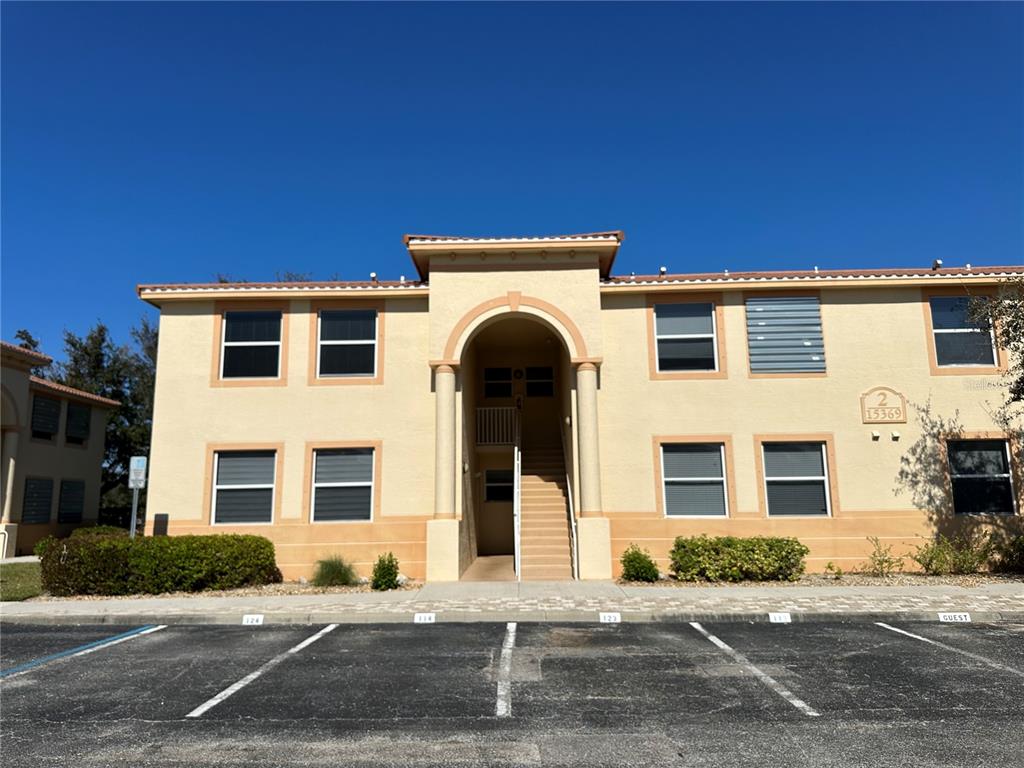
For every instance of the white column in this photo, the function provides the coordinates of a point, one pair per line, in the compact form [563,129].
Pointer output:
[590,460]
[444,445]
[10,453]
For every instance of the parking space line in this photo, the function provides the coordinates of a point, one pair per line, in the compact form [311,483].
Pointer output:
[764,677]
[81,650]
[504,705]
[236,687]
[968,654]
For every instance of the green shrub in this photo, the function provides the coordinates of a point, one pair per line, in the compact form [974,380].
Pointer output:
[729,558]
[1010,556]
[966,553]
[881,561]
[117,565]
[334,572]
[99,530]
[637,565]
[385,572]
[40,546]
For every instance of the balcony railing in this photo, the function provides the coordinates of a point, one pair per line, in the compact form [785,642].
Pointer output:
[496,426]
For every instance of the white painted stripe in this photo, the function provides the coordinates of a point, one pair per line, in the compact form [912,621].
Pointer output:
[764,677]
[504,705]
[90,648]
[968,654]
[233,689]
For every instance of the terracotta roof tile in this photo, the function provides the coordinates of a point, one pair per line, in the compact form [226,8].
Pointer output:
[63,389]
[816,274]
[617,234]
[37,358]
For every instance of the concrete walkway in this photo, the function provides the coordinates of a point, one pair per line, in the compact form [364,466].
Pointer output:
[541,601]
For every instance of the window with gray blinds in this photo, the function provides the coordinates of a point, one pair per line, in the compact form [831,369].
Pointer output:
[980,474]
[243,490]
[72,501]
[685,336]
[45,417]
[784,335]
[77,428]
[37,501]
[796,479]
[342,484]
[251,345]
[694,479]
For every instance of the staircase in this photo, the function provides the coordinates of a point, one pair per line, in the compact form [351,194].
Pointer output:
[545,545]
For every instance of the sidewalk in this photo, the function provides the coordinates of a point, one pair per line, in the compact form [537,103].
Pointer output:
[542,601]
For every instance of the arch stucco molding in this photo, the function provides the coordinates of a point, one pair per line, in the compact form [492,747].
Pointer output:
[515,302]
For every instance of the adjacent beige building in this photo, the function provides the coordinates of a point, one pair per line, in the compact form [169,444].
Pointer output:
[53,447]
[518,411]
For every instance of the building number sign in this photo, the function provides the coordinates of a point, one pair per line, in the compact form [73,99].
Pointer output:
[883,405]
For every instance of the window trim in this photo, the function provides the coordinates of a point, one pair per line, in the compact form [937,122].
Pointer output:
[1015,476]
[511,484]
[827,440]
[999,354]
[220,308]
[718,335]
[728,473]
[309,475]
[795,294]
[210,496]
[313,377]
[314,484]
[665,480]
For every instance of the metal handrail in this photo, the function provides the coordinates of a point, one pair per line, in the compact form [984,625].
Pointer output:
[517,504]
[570,509]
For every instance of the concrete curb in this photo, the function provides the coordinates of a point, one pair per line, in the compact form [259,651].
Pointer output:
[456,617]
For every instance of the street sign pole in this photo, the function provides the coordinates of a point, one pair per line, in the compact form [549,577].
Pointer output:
[136,480]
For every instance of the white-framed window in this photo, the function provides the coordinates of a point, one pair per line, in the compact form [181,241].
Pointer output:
[347,343]
[979,471]
[498,485]
[244,486]
[796,479]
[251,345]
[693,480]
[959,339]
[540,381]
[342,485]
[685,335]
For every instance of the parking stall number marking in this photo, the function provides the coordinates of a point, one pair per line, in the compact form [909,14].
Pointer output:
[780,618]
[252,620]
[610,617]
[424,618]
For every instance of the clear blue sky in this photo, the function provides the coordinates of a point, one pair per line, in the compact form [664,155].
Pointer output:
[145,142]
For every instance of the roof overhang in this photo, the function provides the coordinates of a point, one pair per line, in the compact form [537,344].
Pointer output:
[604,245]
[20,357]
[157,294]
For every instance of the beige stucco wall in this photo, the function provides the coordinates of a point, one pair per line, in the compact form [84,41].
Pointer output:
[872,337]
[191,415]
[54,459]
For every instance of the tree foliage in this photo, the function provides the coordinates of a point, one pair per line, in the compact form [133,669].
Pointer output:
[1006,315]
[126,373]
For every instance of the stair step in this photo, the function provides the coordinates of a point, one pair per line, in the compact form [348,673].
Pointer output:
[547,573]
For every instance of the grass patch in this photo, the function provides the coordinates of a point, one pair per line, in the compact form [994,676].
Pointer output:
[20,581]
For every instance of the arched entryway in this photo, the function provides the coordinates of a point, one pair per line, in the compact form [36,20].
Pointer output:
[516,381]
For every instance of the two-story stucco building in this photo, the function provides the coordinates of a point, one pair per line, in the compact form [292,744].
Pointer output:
[53,448]
[518,404]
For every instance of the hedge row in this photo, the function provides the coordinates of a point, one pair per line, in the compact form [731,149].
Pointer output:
[117,565]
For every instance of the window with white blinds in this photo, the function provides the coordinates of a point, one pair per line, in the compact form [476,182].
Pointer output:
[342,484]
[685,335]
[784,335]
[694,479]
[243,487]
[796,479]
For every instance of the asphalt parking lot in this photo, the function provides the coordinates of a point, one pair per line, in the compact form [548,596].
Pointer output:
[852,693]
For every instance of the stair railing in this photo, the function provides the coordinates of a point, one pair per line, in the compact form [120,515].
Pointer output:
[571,512]
[517,503]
